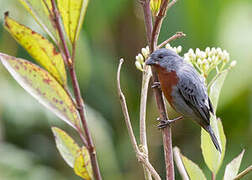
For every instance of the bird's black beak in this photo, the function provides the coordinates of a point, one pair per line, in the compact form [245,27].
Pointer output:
[150,62]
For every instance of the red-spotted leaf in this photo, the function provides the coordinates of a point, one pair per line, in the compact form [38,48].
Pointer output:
[39,48]
[42,86]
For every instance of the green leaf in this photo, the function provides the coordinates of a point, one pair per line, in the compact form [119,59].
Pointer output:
[40,10]
[212,157]
[232,168]
[72,13]
[215,88]
[39,48]
[192,170]
[43,87]
[82,165]
[67,147]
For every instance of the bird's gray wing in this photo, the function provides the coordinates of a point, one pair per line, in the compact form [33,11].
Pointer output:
[193,91]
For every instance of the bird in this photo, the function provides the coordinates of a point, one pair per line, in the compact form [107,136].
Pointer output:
[183,88]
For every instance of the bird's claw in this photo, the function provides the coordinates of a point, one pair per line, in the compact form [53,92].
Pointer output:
[155,85]
[167,122]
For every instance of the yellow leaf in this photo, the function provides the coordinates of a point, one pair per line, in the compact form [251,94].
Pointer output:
[39,48]
[82,165]
[72,13]
[39,10]
[67,147]
[43,87]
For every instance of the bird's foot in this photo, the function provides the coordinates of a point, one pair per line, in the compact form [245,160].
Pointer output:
[156,85]
[167,122]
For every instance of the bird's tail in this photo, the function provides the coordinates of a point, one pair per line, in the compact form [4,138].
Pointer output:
[213,137]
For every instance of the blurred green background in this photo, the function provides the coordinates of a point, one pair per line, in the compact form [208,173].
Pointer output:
[111,30]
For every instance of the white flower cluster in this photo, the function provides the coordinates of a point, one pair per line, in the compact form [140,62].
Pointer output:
[175,49]
[141,57]
[206,61]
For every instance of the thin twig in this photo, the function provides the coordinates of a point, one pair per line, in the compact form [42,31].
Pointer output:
[125,109]
[77,94]
[140,156]
[180,164]
[148,165]
[142,120]
[243,173]
[171,4]
[175,36]
[148,28]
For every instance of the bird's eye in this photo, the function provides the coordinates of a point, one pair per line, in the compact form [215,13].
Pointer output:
[160,56]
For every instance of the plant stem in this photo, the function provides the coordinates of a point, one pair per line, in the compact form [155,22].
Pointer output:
[80,108]
[78,98]
[179,163]
[142,120]
[213,176]
[140,156]
[167,136]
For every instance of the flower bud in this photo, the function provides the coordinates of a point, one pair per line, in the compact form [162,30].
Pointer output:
[140,58]
[168,46]
[219,51]
[138,65]
[191,52]
[226,56]
[179,49]
[207,50]
[213,51]
[197,52]
[199,61]
[233,64]
[145,52]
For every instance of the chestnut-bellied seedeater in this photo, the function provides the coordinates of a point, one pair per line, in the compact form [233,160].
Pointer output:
[183,88]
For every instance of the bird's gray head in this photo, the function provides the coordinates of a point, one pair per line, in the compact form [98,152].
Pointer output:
[163,58]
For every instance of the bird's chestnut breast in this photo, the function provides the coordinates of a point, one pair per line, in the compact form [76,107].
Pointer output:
[167,81]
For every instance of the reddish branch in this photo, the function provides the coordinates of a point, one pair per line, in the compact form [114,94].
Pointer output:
[77,94]
[152,42]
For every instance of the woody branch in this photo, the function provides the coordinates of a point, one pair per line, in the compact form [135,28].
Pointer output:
[152,39]
[87,140]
